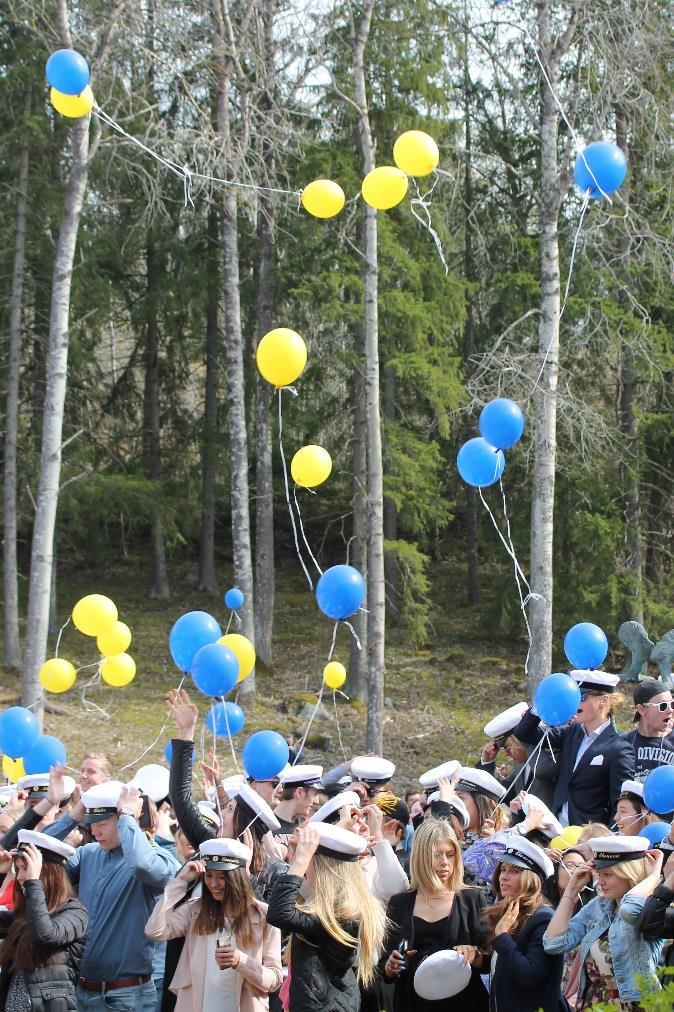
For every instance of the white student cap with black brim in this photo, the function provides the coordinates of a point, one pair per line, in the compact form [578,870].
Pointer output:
[456,807]
[632,790]
[256,809]
[301,776]
[222,854]
[500,727]
[474,781]
[101,800]
[451,770]
[6,793]
[333,806]
[37,786]
[51,849]
[208,813]
[595,681]
[610,850]
[231,785]
[525,854]
[441,975]
[153,781]
[551,827]
[340,844]
[372,769]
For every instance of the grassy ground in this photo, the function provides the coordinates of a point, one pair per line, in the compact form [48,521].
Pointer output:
[438,698]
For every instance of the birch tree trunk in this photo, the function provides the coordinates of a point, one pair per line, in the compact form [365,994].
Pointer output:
[358,551]
[376,585]
[629,426]
[264,394]
[472,527]
[37,622]
[11,642]
[545,397]
[234,371]
[207,578]
[160,584]
[390,508]
[46,503]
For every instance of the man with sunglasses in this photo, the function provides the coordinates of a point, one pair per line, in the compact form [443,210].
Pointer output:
[594,760]
[653,737]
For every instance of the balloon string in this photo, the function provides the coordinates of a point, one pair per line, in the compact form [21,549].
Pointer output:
[535,752]
[229,735]
[586,201]
[426,222]
[182,171]
[58,638]
[332,645]
[287,488]
[89,704]
[354,633]
[311,720]
[229,622]
[150,747]
[339,731]
[304,537]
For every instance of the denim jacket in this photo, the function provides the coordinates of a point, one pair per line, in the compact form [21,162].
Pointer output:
[631,953]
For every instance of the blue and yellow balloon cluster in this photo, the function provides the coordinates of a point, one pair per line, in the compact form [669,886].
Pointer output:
[68,74]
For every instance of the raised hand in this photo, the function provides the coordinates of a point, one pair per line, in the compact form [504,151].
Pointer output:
[509,918]
[185,712]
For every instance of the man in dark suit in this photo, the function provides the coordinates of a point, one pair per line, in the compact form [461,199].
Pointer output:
[593,759]
[537,777]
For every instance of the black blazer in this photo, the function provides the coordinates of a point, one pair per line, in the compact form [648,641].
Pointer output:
[526,978]
[464,926]
[592,789]
[657,918]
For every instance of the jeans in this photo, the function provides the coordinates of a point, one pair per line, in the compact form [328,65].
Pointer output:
[141,998]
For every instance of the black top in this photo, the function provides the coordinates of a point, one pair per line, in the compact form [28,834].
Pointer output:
[657,918]
[322,977]
[463,926]
[649,753]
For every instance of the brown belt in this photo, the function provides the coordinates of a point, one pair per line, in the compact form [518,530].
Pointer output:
[110,985]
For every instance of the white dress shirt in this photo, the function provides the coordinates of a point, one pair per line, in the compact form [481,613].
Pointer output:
[586,741]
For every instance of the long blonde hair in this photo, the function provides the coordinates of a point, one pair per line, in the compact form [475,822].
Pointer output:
[633,872]
[422,858]
[341,894]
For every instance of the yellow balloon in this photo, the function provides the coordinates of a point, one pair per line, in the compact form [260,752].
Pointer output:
[311,466]
[416,153]
[243,650]
[384,187]
[281,356]
[558,843]
[13,768]
[323,198]
[572,835]
[94,614]
[72,106]
[118,670]
[334,675]
[57,675]
[114,640]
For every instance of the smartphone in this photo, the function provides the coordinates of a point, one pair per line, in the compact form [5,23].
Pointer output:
[403,946]
[145,820]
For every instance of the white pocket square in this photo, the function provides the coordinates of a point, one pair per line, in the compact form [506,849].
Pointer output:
[598,760]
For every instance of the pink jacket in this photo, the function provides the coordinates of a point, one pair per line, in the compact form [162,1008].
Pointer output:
[258,973]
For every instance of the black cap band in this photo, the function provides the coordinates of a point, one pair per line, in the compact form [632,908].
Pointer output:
[609,858]
[337,855]
[471,788]
[47,855]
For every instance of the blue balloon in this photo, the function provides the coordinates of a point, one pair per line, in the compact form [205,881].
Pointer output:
[557,698]
[215,669]
[479,463]
[19,731]
[45,753]
[168,753]
[222,715]
[502,422]
[659,790]
[655,832]
[600,168]
[264,755]
[67,71]
[234,598]
[585,645]
[190,632]
[340,592]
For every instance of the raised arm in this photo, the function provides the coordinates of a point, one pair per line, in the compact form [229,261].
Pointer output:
[195,828]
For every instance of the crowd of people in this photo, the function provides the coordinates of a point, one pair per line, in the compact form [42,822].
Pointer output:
[508,888]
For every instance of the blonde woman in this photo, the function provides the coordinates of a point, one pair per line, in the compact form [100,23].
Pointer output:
[524,978]
[612,951]
[338,921]
[437,912]
[225,929]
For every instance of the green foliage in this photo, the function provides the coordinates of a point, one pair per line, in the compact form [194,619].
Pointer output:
[413,603]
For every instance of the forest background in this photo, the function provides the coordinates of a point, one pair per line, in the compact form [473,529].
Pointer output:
[141,445]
